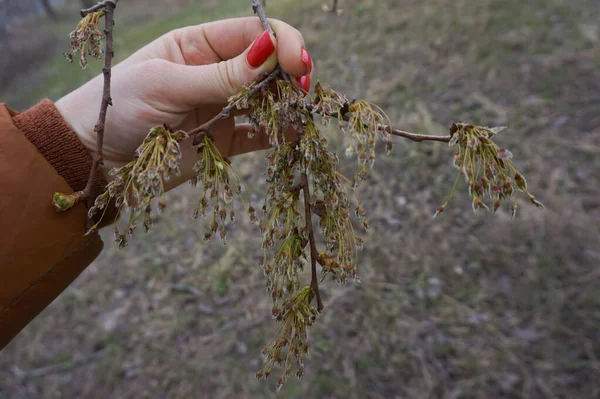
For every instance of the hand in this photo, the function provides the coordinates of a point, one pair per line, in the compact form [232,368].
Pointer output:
[183,79]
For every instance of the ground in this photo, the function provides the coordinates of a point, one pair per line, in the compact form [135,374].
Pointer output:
[462,306]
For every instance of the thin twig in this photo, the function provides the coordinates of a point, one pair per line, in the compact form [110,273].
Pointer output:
[260,12]
[314,253]
[109,7]
[258,9]
[417,137]
[226,111]
[308,211]
[98,6]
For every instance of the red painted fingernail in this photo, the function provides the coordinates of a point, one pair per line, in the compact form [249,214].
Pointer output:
[306,59]
[262,48]
[304,82]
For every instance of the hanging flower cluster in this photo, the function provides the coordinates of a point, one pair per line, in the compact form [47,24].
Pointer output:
[487,169]
[296,317]
[86,39]
[141,180]
[220,184]
[331,205]
[360,120]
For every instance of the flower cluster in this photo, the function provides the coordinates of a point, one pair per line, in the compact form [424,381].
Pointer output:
[487,169]
[138,182]
[282,225]
[284,233]
[329,103]
[220,183]
[86,39]
[297,316]
[285,228]
[330,202]
[275,111]
[361,120]
[363,126]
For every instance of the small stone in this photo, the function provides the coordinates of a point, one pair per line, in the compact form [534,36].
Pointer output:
[401,201]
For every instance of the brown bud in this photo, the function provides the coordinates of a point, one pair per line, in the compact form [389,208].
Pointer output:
[453,129]
[521,182]
[319,209]
[496,206]
[439,210]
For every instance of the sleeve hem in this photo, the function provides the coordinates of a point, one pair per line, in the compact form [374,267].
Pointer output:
[45,128]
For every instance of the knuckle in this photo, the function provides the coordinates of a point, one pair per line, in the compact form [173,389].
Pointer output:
[227,80]
[175,34]
[156,67]
[280,26]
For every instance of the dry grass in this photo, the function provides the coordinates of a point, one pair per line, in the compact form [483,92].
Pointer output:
[463,306]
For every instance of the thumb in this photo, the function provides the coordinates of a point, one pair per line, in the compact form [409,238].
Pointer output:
[215,83]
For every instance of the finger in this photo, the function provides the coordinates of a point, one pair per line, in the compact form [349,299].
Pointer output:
[191,87]
[196,77]
[292,55]
[223,40]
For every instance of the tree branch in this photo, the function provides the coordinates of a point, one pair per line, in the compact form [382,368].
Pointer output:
[109,7]
[203,129]
[99,6]
[415,136]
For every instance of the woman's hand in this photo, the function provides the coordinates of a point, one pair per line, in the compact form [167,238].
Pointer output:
[183,79]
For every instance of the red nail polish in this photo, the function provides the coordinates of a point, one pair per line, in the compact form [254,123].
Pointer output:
[304,82]
[306,59]
[262,48]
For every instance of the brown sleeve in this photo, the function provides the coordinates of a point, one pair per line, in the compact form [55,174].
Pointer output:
[46,129]
[41,251]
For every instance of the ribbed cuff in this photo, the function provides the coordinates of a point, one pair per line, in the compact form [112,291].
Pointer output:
[45,127]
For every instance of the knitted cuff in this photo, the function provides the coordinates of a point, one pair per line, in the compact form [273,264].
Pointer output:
[46,129]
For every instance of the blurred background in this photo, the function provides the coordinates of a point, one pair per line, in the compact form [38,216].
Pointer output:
[463,306]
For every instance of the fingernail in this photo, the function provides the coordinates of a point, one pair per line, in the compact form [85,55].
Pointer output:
[306,59]
[304,82]
[262,48]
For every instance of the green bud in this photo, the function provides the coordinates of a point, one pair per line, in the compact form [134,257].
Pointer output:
[64,202]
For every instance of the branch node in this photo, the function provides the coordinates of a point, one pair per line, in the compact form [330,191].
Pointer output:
[103,4]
